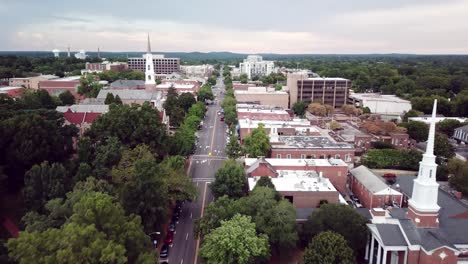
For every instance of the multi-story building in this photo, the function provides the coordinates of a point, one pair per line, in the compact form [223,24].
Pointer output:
[333,169]
[254,65]
[161,64]
[286,128]
[181,86]
[461,134]
[204,70]
[331,91]
[82,116]
[57,86]
[309,147]
[263,96]
[104,66]
[30,82]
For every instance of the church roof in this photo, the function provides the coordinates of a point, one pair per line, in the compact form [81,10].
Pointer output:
[391,235]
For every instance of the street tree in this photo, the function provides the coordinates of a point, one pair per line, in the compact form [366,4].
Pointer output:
[442,147]
[223,208]
[235,241]
[109,99]
[67,98]
[186,100]
[448,126]
[328,247]
[416,130]
[42,183]
[205,93]
[229,180]
[176,116]
[341,219]
[233,148]
[257,143]
[299,108]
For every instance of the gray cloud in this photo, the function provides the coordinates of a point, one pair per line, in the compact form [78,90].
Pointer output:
[294,26]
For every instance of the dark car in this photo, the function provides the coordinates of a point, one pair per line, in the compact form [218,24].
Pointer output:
[175,216]
[164,251]
[171,227]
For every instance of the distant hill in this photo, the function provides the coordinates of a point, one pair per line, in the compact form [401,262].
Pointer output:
[224,55]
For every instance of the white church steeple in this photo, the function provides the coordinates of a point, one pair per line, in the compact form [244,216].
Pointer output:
[423,207]
[149,66]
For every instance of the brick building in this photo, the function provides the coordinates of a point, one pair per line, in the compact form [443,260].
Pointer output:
[432,229]
[309,147]
[82,116]
[30,82]
[181,86]
[237,86]
[331,91]
[288,128]
[333,169]
[372,190]
[13,92]
[260,112]
[263,96]
[57,86]
[104,66]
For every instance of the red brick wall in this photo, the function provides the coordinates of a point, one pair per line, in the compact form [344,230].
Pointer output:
[425,220]
[311,199]
[369,200]
[262,170]
[420,257]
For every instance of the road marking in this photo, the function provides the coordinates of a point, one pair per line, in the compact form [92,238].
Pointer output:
[191,213]
[186,236]
[201,215]
[182,261]
[197,184]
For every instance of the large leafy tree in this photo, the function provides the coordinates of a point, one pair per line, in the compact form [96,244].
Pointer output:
[29,139]
[42,183]
[235,241]
[67,98]
[328,247]
[205,93]
[132,125]
[416,130]
[459,171]
[442,147]
[223,208]
[341,219]
[233,148]
[257,143]
[98,231]
[186,100]
[299,108]
[448,126]
[230,180]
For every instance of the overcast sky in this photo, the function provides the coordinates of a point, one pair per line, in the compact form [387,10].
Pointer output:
[246,26]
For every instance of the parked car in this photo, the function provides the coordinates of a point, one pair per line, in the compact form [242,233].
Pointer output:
[357,203]
[169,238]
[171,227]
[389,175]
[164,251]
[222,118]
[390,178]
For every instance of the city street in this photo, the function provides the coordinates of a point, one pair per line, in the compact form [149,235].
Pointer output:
[206,160]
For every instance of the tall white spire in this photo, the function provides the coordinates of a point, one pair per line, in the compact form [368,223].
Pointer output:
[149,66]
[425,188]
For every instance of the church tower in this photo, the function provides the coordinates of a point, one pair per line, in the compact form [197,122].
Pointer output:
[149,66]
[422,207]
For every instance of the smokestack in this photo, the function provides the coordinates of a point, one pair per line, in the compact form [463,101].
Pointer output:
[68,48]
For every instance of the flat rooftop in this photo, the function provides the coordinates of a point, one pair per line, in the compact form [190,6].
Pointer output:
[10,88]
[69,78]
[309,142]
[88,108]
[249,123]
[175,85]
[297,181]
[348,132]
[327,79]
[299,162]
[378,97]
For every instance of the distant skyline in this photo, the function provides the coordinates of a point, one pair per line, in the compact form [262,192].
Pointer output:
[255,26]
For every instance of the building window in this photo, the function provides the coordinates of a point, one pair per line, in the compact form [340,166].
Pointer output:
[430,173]
[303,156]
[278,156]
[337,156]
[288,156]
[347,158]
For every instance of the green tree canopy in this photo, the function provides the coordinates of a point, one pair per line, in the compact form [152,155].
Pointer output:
[299,108]
[448,126]
[109,99]
[230,180]
[233,148]
[418,131]
[235,241]
[185,101]
[257,143]
[67,98]
[341,219]
[328,247]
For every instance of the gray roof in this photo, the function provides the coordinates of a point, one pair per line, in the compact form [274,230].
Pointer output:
[391,235]
[125,84]
[364,212]
[82,108]
[371,181]
[454,228]
[463,128]
[129,94]
[310,142]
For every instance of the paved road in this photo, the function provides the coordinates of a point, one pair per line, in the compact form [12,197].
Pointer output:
[208,157]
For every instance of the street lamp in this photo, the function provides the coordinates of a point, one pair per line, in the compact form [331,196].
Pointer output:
[154,240]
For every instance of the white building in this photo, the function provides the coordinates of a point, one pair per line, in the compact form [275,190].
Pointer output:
[254,65]
[81,55]
[389,105]
[204,70]
[427,119]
